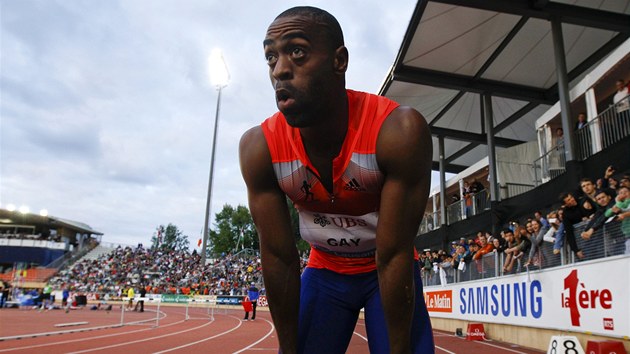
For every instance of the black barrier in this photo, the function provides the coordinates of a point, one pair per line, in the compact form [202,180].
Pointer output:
[81,300]
[229,300]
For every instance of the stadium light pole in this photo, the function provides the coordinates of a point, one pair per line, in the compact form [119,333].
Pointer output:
[219,78]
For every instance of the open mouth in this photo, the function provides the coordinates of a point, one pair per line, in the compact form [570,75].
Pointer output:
[282,95]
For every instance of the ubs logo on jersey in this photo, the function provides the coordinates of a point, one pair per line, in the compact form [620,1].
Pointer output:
[321,220]
[340,221]
[353,185]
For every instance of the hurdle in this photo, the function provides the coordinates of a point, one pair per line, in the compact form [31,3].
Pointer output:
[205,302]
[155,322]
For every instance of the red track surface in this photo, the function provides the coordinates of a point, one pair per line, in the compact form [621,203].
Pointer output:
[227,333]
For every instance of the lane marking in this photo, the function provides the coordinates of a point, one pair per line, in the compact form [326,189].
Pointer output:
[358,335]
[140,340]
[444,350]
[488,344]
[81,339]
[260,340]
[240,323]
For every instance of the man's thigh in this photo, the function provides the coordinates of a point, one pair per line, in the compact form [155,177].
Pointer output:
[329,309]
[421,331]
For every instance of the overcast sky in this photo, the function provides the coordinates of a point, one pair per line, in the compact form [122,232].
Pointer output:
[107,112]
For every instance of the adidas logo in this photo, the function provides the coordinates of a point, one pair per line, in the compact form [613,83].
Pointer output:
[353,185]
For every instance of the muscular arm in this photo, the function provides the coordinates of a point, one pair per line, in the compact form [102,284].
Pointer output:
[280,260]
[404,154]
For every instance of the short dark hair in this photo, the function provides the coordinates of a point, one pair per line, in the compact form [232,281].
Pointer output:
[328,22]
[564,196]
[600,191]
[586,179]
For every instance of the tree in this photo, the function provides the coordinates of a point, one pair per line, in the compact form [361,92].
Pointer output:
[169,238]
[234,231]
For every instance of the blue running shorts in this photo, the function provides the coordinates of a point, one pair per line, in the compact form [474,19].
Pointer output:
[329,308]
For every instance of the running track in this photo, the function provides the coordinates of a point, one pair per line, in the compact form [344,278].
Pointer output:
[30,331]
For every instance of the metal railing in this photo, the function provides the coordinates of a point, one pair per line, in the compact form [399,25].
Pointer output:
[550,165]
[510,190]
[610,126]
[454,212]
[71,257]
[478,203]
[608,241]
[428,223]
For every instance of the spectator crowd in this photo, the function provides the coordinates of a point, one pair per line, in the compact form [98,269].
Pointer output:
[159,271]
[593,220]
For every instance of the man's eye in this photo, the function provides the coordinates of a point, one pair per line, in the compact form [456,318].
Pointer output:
[271,59]
[297,53]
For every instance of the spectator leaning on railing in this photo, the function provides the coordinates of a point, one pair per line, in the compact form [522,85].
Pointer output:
[484,246]
[621,210]
[558,230]
[605,202]
[512,250]
[574,213]
[535,254]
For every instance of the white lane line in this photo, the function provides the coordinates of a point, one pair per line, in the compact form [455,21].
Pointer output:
[85,339]
[502,348]
[78,330]
[491,345]
[258,341]
[205,339]
[365,339]
[358,335]
[444,350]
[141,340]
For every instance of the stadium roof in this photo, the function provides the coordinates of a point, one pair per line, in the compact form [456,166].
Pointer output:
[16,218]
[455,50]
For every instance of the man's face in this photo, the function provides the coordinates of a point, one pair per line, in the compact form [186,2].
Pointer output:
[623,193]
[569,201]
[602,199]
[582,117]
[482,240]
[619,85]
[301,67]
[587,187]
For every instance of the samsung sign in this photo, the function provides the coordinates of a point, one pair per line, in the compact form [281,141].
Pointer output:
[588,297]
[523,299]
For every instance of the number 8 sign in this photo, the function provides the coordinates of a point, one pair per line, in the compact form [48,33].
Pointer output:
[564,345]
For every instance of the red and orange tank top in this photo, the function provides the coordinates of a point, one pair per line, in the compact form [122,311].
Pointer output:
[340,226]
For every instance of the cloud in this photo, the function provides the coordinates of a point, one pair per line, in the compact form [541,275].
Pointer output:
[107,111]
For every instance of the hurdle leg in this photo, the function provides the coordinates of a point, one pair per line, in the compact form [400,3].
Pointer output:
[122,314]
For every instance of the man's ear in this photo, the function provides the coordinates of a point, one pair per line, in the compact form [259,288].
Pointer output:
[341,60]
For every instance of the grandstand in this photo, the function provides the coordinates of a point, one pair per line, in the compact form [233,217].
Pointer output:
[496,80]
[502,84]
[34,247]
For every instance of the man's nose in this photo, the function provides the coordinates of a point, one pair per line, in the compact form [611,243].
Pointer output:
[282,69]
